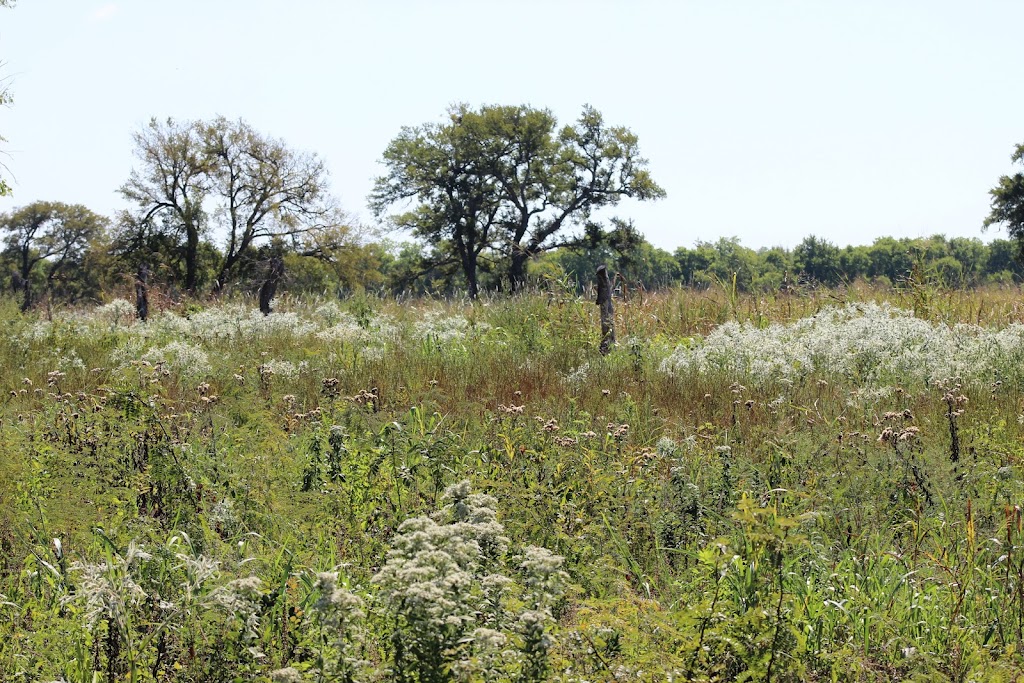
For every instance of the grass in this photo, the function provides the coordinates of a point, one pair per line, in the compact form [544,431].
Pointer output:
[173,493]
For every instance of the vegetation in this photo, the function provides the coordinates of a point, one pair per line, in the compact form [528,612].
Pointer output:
[223,178]
[49,241]
[503,182]
[1008,201]
[815,484]
[5,99]
[796,464]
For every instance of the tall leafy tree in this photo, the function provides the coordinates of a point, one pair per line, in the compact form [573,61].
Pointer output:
[1008,202]
[263,189]
[168,192]
[504,181]
[224,180]
[46,239]
[555,183]
[447,169]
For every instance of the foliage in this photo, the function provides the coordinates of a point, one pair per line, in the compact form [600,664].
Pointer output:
[222,178]
[1008,201]
[820,486]
[502,181]
[49,242]
[5,99]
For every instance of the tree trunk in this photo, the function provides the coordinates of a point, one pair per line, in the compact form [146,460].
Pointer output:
[19,285]
[604,302]
[191,259]
[468,259]
[142,292]
[469,268]
[517,269]
[269,287]
[26,282]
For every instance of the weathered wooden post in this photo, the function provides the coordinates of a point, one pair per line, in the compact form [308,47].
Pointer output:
[142,292]
[604,302]
[20,284]
[269,287]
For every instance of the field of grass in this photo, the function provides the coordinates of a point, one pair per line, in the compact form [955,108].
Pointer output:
[821,485]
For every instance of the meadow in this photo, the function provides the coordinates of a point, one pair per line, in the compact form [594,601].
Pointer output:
[811,485]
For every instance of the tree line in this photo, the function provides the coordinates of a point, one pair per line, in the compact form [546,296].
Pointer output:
[493,198]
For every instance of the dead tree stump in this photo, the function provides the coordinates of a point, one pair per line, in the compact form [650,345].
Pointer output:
[269,288]
[604,303]
[142,292]
[22,285]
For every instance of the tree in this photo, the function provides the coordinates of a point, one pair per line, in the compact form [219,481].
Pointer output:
[49,237]
[168,192]
[503,182]
[5,99]
[447,169]
[819,259]
[1008,202]
[222,178]
[551,184]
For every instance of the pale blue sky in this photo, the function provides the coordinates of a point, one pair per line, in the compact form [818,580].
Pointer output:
[768,121]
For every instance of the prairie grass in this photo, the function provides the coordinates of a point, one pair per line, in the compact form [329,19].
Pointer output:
[813,485]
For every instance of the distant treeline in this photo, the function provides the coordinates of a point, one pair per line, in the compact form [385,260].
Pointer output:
[95,269]
[949,262]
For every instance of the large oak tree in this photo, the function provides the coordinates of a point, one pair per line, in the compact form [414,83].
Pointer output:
[223,180]
[504,180]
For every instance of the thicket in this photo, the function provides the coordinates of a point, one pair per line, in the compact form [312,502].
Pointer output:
[101,269]
[810,485]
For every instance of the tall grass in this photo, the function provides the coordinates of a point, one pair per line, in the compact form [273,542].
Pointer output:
[806,485]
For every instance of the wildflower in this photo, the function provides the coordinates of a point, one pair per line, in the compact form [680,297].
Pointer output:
[335,607]
[286,675]
[666,447]
[618,432]
[489,639]
[187,359]
[329,386]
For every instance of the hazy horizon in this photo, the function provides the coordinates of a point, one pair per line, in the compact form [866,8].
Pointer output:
[764,122]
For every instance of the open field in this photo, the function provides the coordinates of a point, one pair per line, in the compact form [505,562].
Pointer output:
[820,485]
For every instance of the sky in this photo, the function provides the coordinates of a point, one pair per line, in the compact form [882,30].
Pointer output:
[767,121]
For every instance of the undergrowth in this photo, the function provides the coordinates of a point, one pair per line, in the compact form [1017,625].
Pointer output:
[808,486]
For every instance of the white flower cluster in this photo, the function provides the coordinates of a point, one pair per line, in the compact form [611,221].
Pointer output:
[232,322]
[432,568]
[108,589]
[445,579]
[444,329]
[865,343]
[116,312]
[187,359]
[336,608]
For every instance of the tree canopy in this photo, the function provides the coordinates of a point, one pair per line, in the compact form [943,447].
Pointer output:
[51,237]
[503,182]
[1008,201]
[224,180]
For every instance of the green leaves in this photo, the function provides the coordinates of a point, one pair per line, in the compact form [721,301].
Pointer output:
[502,181]
[1008,201]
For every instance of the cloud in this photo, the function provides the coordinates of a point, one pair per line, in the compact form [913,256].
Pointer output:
[104,12]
